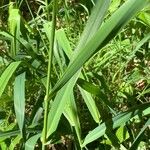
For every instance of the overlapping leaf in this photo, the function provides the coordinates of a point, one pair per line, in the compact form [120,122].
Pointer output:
[107,32]
[60,100]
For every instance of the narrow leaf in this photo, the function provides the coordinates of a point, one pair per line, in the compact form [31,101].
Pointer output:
[94,22]
[90,104]
[94,26]
[71,114]
[19,99]
[63,42]
[14,27]
[7,75]
[31,142]
[14,142]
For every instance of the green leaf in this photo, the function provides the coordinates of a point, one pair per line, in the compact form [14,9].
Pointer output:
[90,104]
[3,146]
[11,133]
[58,105]
[94,22]
[63,42]
[95,90]
[62,94]
[89,87]
[145,17]
[31,142]
[7,75]
[14,142]
[29,49]
[71,114]
[122,134]
[114,5]
[6,36]
[59,58]
[107,32]
[138,46]
[37,118]
[116,121]
[14,27]
[7,134]
[19,99]
[47,28]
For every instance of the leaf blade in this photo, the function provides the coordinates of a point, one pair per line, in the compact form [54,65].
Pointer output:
[31,142]
[19,99]
[109,30]
[5,77]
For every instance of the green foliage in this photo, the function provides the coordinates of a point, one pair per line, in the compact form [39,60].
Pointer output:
[19,100]
[74,74]
[5,77]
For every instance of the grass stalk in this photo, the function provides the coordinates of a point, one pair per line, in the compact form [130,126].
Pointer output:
[50,54]
[47,9]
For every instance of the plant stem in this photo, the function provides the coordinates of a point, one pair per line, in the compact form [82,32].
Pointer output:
[47,9]
[50,54]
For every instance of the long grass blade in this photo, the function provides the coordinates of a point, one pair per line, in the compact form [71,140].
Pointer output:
[85,37]
[64,43]
[94,22]
[19,99]
[12,133]
[14,28]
